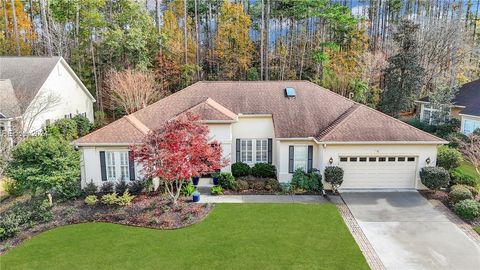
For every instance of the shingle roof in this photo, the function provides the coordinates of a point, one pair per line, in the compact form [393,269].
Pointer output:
[9,106]
[468,96]
[27,73]
[312,113]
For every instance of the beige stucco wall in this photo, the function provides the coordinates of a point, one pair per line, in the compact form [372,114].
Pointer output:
[282,157]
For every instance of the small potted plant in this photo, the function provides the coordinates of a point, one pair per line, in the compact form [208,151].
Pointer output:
[215,177]
[195,180]
[196,196]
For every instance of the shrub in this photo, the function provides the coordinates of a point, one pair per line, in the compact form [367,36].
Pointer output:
[473,190]
[121,187]
[460,178]
[306,181]
[434,177]
[286,188]
[216,190]
[264,170]
[65,128]
[83,125]
[455,137]
[422,125]
[258,185]
[136,187]
[125,199]
[12,187]
[445,130]
[9,226]
[226,180]
[110,198]
[188,189]
[459,193]
[448,158]
[272,185]
[467,209]
[90,189]
[240,169]
[107,187]
[334,176]
[241,185]
[91,200]
[69,190]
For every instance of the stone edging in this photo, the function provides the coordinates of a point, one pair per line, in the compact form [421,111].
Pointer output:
[368,251]
[462,225]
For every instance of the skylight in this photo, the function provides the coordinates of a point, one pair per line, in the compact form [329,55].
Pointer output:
[290,92]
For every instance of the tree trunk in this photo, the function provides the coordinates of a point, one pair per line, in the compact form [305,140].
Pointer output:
[262,28]
[197,35]
[46,33]
[15,27]
[5,18]
[158,4]
[267,34]
[185,32]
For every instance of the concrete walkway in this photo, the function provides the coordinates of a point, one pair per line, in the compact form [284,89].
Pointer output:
[269,199]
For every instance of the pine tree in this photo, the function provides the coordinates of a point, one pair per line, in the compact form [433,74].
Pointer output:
[403,76]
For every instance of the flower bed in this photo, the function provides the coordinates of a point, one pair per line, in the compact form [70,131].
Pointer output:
[151,211]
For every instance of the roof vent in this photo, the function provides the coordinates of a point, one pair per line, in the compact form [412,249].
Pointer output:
[290,92]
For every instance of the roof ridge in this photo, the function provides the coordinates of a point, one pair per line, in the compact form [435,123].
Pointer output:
[219,107]
[137,124]
[335,123]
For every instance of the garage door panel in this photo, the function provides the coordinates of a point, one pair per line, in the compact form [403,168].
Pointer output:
[379,174]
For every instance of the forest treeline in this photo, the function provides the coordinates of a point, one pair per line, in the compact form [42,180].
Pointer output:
[383,53]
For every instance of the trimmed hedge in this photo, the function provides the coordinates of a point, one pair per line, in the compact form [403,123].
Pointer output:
[334,176]
[264,170]
[240,169]
[434,177]
[467,209]
[306,181]
[459,193]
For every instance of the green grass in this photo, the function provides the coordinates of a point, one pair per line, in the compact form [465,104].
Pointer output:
[468,168]
[477,229]
[234,236]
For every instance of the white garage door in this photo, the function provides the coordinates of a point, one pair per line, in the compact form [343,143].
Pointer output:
[378,171]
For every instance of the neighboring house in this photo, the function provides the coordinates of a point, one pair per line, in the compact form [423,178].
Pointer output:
[466,108]
[292,124]
[35,91]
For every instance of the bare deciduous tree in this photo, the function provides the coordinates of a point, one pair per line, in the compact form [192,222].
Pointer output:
[5,153]
[471,150]
[132,90]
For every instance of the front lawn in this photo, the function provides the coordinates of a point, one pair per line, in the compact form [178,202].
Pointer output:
[233,236]
[468,169]
[477,229]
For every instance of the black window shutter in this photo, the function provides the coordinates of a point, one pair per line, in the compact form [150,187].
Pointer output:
[237,157]
[270,146]
[290,158]
[103,168]
[131,165]
[310,158]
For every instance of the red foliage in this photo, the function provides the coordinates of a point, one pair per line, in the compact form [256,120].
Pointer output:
[179,150]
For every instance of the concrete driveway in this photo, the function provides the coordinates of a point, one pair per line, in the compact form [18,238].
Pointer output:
[408,233]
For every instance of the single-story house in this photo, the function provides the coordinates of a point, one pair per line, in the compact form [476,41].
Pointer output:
[292,124]
[35,91]
[466,108]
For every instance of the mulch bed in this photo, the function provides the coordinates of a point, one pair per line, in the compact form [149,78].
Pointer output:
[148,211]
[442,196]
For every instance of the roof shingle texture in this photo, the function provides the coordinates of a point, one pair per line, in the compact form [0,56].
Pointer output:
[311,113]
[9,106]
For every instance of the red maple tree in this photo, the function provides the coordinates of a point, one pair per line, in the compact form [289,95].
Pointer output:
[177,151]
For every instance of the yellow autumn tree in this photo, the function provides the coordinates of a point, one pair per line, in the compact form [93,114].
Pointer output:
[173,34]
[26,35]
[233,46]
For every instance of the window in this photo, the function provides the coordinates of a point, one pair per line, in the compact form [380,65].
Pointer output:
[68,116]
[246,151]
[391,159]
[353,159]
[300,157]
[363,159]
[372,159]
[401,159]
[343,159]
[469,126]
[261,151]
[410,159]
[124,170]
[430,115]
[110,165]
[382,159]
